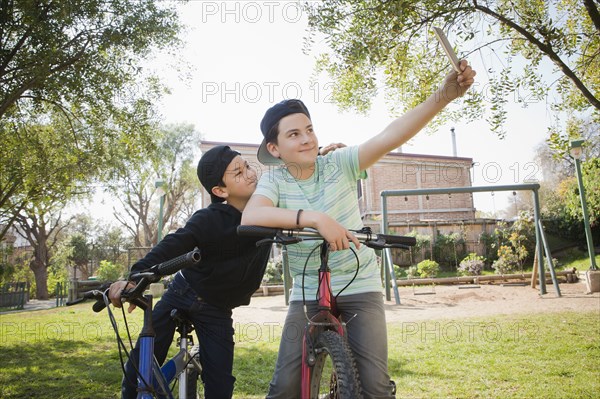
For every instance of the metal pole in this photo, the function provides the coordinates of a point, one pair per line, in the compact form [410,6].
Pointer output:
[538,240]
[453,141]
[160,218]
[384,228]
[549,259]
[586,220]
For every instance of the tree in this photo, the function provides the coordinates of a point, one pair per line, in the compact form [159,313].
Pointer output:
[389,43]
[590,173]
[80,255]
[72,52]
[71,81]
[174,163]
[559,194]
[40,225]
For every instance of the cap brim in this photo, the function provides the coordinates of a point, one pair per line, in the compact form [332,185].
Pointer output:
[265,157]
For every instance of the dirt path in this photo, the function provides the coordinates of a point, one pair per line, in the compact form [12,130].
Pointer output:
[449,302]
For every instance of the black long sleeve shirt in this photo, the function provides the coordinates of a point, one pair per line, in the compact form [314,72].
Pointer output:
[231,267]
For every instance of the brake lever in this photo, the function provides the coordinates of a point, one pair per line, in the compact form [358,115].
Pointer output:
[279,239]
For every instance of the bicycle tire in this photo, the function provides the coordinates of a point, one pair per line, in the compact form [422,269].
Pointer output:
[343,379]
[192,384]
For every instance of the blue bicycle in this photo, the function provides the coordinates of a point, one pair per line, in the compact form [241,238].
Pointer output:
[153,380]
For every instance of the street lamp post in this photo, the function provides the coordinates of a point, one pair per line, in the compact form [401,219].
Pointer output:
[576,151]
[160,184]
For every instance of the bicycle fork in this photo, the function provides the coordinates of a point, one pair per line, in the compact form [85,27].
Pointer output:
[149,380]
[146,358]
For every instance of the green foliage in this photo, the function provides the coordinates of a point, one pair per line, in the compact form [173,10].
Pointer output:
[6,268]
[490,242]
[422,249]
[449,248]
[80,54]
[75,101]
[109,271]
[507,262]
[562,211]
[390,44]
[56,275]
[428,268]
[80,250]
[590,172]
[412,272]
[274,271]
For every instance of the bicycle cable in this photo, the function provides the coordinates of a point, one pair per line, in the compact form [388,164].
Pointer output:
[319,282]
[353,277]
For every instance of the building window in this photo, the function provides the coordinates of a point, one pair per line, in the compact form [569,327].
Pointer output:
[359,188]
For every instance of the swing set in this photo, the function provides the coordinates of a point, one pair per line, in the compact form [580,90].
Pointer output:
[541,242]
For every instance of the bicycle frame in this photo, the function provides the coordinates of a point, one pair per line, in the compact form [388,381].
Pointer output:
[150,375]
[327,318]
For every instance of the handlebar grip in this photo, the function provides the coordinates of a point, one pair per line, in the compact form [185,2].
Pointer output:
[404,240]
[99,305]
[257,231]
[174,265]
[75,301]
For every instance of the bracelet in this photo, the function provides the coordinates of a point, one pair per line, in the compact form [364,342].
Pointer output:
[298,217]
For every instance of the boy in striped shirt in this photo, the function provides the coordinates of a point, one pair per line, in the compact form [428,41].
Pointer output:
[319,192]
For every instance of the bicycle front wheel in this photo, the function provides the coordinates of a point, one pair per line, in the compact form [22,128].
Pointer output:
[334,375]
[194,387]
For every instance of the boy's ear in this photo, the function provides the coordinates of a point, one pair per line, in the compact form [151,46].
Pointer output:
[273,150]
[220,192]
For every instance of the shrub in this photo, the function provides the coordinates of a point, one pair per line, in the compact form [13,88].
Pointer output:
[422,249]
[472,265]
[412,272]
[428,268]
[448,249]
[507,261]
[398,271]
[274,271]
[109,271]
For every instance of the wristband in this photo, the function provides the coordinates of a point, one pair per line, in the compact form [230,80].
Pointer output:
[298,217]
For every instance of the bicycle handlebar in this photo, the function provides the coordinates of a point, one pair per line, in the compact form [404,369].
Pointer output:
[290,236]
[146,277]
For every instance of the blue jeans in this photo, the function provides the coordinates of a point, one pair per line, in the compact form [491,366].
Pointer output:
[367,337]
[214,330]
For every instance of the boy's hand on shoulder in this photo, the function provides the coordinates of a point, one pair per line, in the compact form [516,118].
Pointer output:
[330,148]
[456,84]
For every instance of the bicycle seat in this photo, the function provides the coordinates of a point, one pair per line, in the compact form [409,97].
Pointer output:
[181,319]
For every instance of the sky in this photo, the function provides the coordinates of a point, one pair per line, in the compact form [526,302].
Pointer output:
[240,57]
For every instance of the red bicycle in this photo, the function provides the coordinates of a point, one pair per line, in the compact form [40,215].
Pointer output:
[328,366]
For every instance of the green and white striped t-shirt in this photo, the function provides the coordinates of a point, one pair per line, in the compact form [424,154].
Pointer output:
[332,190]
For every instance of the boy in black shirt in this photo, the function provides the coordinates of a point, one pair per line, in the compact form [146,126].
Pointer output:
[230,271]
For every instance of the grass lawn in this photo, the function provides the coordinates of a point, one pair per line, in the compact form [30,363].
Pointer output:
[70,353]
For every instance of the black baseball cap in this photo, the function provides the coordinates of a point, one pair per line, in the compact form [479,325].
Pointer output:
[271,118]
[212,166]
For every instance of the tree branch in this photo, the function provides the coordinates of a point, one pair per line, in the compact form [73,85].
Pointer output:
[545,49]
[592,11]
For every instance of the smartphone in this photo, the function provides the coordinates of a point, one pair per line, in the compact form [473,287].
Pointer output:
[447,48]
